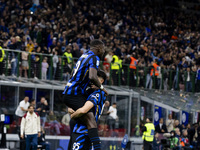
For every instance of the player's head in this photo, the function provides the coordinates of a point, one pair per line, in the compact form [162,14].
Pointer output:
[97,46]
[101,75]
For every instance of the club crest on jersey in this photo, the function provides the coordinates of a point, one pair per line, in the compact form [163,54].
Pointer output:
[76,146]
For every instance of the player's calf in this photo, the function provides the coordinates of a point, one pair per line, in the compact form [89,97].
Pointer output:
[89,120]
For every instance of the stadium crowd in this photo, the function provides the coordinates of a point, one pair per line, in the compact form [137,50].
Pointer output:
[172,135]
[138,33]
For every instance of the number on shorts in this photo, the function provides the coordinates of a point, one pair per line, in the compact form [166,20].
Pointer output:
[76,146]
[77,67]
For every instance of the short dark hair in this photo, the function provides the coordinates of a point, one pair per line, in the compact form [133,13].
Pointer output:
[114,103]
[31,106]
[96,42]
[102,74]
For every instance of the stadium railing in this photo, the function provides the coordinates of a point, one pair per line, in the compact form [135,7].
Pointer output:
[140,77]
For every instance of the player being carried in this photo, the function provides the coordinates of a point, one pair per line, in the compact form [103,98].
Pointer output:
[85,71]
[95,102]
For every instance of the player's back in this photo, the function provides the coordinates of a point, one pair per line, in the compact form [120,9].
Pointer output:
[80,75]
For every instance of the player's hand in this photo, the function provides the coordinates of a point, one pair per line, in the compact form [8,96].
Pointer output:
[70,110]
[72,116]
[105,91]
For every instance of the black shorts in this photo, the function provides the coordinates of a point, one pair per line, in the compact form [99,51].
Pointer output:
[74,101]
[80,142]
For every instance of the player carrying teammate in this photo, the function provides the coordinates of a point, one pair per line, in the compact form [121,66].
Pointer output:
[95,102]
[85,71]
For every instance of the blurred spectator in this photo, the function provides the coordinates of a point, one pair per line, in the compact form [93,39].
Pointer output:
[193,134]
[104,118]
[149,80]
[156,142]
[177,125]
[54,124]
[112,116]
[42,141]
[45,66]
[165,77]
[198,80]
[30,127]
[184,141]
[76,51]
[178,133]
[25,65]
[42,108]
[22,108]
[170,123]
[155,72]
[14,58]
[188,80]
[174,141]
[36,62]
[2,55]
[55,62]
[66,119]
[198,137]
[33,103]
[30,46]
[161,128]
[104,115]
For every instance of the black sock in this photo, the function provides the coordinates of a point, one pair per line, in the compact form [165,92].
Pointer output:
[94,137]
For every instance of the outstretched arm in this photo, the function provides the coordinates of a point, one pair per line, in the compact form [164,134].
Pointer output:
[83,110]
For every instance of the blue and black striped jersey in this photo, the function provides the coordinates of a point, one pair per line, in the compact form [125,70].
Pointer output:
[97,98]
[80,75]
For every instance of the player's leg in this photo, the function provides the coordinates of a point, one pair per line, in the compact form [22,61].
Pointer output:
[79,142]
[89,120]
[77,101]
[72,124]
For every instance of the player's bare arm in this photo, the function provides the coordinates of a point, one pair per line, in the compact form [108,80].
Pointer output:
[83,110]
[94,79]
